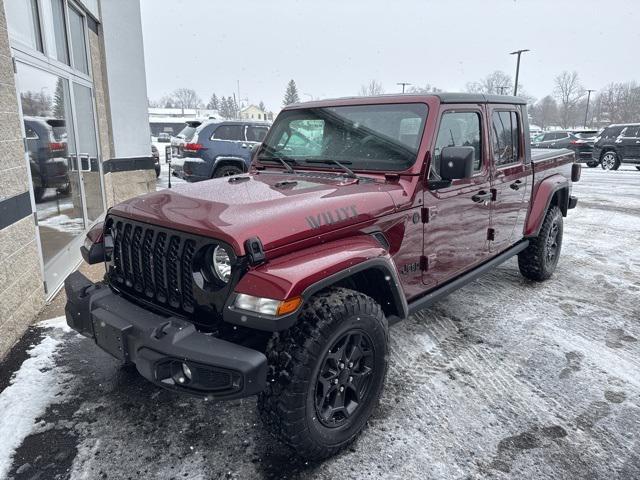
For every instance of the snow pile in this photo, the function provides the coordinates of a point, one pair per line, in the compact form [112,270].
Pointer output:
[32,389]
[58,322]
[64,223]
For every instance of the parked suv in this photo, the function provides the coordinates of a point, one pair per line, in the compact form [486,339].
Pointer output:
[618,144]
[47,146]
[221,149]
[177,145]
[580,141]
[282,282]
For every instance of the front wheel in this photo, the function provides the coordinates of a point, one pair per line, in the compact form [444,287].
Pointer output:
[610,161]
[326,374]
[227,171]
[539,260]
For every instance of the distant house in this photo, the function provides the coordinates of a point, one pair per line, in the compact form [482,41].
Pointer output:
[253,112]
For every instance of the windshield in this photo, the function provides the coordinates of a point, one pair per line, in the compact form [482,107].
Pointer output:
[364,137]
[539,138]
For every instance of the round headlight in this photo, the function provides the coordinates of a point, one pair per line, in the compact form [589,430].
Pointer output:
[222,263]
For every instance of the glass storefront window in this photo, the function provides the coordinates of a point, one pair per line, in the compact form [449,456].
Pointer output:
[55,29]
[23,22]
[51,148]
[88,151]
[78,44]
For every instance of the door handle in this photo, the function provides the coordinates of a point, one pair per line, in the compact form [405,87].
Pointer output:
[516,185]
[482,196]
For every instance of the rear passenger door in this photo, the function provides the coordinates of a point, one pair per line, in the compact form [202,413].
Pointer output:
[227,141]
[630,143]
[509,177]
[455,233]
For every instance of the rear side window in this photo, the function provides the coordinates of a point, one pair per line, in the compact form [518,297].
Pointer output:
[228,132]
[256,134]
[458,129]
[506,135]
[612,132]
[30,133]
[631,131]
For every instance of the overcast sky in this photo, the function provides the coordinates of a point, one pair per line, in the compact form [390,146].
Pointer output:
[332,47]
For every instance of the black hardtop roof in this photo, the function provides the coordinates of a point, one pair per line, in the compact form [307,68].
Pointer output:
[479,98]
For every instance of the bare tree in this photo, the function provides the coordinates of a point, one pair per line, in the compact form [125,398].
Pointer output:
[428,88]
[371,89]
[618,103]
[496,83]
[568,91]
[545,112]
[186,98]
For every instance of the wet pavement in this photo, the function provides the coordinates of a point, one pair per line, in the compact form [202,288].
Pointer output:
[502,379]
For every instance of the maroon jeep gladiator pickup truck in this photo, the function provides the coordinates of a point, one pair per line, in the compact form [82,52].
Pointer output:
[282,282]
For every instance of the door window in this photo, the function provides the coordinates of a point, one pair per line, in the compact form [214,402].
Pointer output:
[506,136]
[458,129]
[256,134]
[228,132]
[631,132]
[46,108]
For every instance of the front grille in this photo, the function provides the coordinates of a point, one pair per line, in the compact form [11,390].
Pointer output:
[154,264]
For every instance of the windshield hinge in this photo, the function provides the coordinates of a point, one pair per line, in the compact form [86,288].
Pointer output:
[428,214]
[254,249]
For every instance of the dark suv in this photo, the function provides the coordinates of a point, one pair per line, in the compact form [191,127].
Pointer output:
[618,144]
[47,146]
[221,149]
[580,141]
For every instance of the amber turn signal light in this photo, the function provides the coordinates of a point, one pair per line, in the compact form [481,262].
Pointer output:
[288,306]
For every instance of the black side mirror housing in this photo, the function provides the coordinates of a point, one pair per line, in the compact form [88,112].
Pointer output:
[456,162]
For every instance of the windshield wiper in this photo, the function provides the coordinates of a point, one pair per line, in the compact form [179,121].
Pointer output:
[349,173]
[280,158]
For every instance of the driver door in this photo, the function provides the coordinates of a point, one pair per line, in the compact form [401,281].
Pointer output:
[457,217]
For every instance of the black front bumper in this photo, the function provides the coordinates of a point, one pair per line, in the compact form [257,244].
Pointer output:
[168,351]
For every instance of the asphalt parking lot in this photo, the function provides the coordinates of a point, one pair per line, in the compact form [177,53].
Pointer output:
[503,379]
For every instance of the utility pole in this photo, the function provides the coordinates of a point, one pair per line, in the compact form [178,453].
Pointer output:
[517,52]
[586,113]
[404,84]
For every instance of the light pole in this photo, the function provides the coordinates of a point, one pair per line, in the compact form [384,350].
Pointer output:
[586,113]
[517,52]
[404,84]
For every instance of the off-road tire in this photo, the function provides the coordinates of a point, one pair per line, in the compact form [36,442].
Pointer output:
[592,164]
[535,261]
[227,171]
[288,406]
[610,160]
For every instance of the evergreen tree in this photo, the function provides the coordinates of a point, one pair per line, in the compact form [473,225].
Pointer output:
[213,104]
[291,95]
[224,108]
[233,107]
[58,100]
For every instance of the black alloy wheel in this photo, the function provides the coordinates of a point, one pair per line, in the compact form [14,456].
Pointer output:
[344,379]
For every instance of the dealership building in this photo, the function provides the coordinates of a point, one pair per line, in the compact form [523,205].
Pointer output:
[74,139]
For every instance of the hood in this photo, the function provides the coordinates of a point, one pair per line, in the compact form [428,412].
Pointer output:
[278,208]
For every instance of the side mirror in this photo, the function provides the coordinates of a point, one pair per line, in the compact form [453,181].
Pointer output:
[456,162]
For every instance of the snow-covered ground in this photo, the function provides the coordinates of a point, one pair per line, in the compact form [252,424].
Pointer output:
[502,379]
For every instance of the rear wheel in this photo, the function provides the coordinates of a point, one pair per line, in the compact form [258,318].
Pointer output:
[227,171]
[326,373]
[539,260]
[610,161]
[592,164]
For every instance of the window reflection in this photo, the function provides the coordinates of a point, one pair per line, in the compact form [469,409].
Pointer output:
[23,22]
[78,45]
[50,142]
